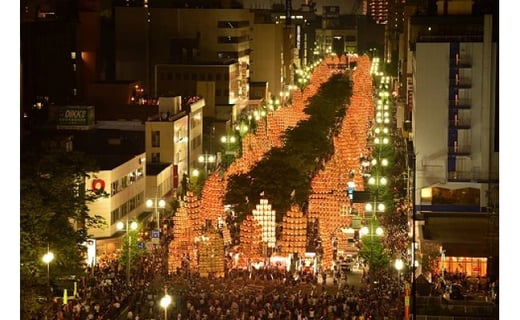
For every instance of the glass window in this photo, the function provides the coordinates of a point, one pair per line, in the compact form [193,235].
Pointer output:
[114,187]
[124,209]
[156,139]
[124,182]
[114,216]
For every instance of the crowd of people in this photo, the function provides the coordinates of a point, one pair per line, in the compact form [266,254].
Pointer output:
[269,293]
[104,292]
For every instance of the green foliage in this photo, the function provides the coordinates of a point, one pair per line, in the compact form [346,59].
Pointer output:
[307,146]
[197,183]
[131,240]
[54,214]
[374,253]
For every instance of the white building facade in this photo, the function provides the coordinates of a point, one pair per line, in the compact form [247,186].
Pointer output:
[124,185]
[454,124]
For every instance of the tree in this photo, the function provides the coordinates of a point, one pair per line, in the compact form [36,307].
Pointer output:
[374,253]
[306,148]
[53,214]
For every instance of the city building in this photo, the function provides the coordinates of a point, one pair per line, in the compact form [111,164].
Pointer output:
[60,51]
[217,82]
[122,178]
[175,136]
[338,34]
[454,104]
[147,36]
[268,48]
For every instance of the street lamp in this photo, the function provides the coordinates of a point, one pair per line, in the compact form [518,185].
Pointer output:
[207,158]
[165,302]
[156,204]
[132,226]
[47,258]
[372,231]
[229,142]
[398,265]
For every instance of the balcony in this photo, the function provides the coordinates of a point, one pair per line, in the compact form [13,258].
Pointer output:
[460,63]
[460,150]
[460,124]
[472,176]
[460,104]
[460,176]
[463,83]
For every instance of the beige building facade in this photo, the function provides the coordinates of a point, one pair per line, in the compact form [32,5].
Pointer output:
[124,184]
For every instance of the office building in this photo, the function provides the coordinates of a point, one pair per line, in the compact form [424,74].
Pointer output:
[454,104]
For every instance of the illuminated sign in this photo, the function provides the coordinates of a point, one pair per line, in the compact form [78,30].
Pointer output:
[76,117]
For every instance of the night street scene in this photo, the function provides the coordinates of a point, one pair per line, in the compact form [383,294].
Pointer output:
[259,159]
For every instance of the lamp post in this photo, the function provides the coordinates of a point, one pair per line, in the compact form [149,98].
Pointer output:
[165,302]
[132,226]
[206,159]
[398,265]
[47,258]
[156,203]
[371,232]
[229,143]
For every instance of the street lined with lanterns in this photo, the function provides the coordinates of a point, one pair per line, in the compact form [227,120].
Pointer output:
[331,256]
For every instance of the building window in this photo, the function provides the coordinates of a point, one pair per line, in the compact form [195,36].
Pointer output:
[193,76]
[170,76]
[124,209]
[132,204]
[210,76]
[161,75]
[114,216]
[196,120]
[196,142]
[202,76]
[114,187]
[124,182]
[131,177]
[217,76]
[156,157]
[186,76]
[156,139]
[217,92]
[177,76]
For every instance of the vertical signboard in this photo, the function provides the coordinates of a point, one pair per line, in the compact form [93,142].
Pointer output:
[409,94]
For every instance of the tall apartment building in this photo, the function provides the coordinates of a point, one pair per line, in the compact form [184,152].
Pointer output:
[337,33]
[147,36]
[454,106]
[218,82]
[59,49]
